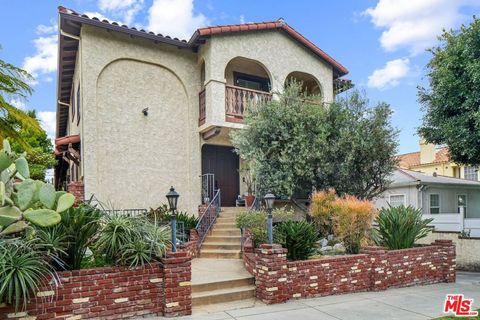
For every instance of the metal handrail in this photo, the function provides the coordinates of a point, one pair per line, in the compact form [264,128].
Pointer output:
[208,218]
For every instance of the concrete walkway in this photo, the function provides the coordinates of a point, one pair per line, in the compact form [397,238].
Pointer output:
[420,302]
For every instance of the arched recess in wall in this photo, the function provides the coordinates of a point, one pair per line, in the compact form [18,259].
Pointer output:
[248,73]
[137,155]
[310,84]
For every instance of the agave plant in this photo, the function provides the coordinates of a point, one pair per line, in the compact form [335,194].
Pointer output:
[23,265]
[24,201]
[299,237]
[131,241]
[400,227]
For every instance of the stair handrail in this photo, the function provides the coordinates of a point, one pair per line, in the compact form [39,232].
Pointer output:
[208,218]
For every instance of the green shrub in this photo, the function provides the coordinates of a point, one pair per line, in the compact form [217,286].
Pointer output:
[132,241]
[256,222]
[400,227]
[81,225]
[349,218]
[299,237]
[162,215]
[23,266]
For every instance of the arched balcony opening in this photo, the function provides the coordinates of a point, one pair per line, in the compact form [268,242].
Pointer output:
[248,84]
[310,84]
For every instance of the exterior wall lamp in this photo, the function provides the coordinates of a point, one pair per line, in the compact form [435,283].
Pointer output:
[269,201]
[172,197]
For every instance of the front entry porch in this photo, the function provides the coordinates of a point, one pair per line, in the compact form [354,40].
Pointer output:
[223,164]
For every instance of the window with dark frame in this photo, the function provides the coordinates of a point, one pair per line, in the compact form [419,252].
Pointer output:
[251,82]
[434,203]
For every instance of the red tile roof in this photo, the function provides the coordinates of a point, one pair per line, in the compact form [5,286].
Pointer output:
[270,25]
[409,160]
[209,31]
[71,22]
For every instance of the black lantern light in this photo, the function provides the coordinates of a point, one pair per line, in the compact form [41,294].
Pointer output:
[269,200]
[172,197]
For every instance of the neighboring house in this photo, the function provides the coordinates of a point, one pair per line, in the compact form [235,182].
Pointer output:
[439,197]
[138,111]
[431,159]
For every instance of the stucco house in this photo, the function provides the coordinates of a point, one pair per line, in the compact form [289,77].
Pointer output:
[138,112]
[453,203]
[432,159]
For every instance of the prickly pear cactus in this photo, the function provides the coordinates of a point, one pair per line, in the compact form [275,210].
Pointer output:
[24,201]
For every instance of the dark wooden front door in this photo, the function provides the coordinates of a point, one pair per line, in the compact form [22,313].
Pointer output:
[223,163]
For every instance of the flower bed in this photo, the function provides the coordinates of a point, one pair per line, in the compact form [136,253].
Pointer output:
[161,288]
[278,280]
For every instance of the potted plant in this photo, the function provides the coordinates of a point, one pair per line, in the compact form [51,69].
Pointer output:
[249,179]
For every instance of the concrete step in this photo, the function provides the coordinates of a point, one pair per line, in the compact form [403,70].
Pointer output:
[230,239]
[223,295]
[226,220]
[220,254]
[225,232]
[227,226]
[221,246]
[224,284]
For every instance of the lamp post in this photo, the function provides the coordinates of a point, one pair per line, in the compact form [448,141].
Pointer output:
[269,200]
[172,197]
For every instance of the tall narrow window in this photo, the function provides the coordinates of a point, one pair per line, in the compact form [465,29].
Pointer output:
[471,173]
[73,103]
[397,200]
[434,203]
[78,104]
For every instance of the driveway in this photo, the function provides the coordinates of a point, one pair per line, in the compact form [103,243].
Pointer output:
[420,302]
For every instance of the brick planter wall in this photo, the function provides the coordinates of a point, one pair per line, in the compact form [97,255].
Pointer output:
[161,288]
[278,280]
[191,247]
[77,189]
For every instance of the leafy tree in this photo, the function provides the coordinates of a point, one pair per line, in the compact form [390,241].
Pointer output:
[296,145]
[40,156]
[451,104]
[14,84]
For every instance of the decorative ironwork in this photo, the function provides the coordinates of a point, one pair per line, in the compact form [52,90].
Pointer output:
[208,187]
[208,217]
[238,100]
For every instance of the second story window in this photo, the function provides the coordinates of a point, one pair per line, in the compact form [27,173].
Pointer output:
[251,82]
[470,173]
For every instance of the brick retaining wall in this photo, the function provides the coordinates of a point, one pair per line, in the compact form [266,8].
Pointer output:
[278,280]
[191,247]
[77,189]
[161,288]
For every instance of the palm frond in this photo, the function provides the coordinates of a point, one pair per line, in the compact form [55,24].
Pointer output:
[14,81]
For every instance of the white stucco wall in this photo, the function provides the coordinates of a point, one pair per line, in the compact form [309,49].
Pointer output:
[274,50]
[130,160]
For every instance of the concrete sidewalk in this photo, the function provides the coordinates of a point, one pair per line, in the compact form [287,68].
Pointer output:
[420,302]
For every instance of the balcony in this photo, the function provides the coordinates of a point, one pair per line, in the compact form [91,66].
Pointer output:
[238,100]
[226,105]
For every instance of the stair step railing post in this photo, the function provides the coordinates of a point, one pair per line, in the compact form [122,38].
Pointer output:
[208,217]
